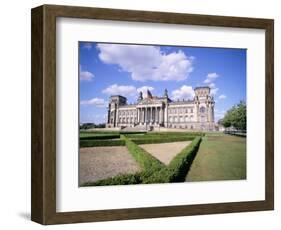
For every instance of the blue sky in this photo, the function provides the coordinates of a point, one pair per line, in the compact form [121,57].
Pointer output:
[125,69]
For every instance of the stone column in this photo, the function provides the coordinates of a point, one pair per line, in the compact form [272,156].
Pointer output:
[197,112]
[145,114]
[157,115]
[160,115]
[210,112]
[213,114]
[155,108]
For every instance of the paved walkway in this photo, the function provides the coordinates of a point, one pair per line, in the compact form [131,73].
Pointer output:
[165,152]
[97,163]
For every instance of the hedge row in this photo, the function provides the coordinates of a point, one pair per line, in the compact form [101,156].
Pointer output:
[96,143]
[153,170]
[162,140]
[146,161]
[158,135]
[117,180]
[133,132]
[99,136]
[178,167]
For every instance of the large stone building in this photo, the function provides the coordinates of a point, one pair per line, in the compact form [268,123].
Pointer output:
[153,111]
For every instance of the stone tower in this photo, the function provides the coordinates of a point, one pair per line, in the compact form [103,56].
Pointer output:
[204,107]
[114,102]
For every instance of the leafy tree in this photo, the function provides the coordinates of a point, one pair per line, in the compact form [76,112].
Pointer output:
[236,116]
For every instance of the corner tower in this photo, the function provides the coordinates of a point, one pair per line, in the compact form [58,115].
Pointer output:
[114,102]
[205,108]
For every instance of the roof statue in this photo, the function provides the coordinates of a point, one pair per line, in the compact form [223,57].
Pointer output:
[140,96]
[165,93]
[149,95]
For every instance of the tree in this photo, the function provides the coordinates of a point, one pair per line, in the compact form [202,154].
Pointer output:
[236,117]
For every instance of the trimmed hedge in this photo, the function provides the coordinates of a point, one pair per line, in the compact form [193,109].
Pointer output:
[162,140]
[133,132]
[96,143]
[123,179]
[100,137]
[178,167]
[153,171]
[146,161]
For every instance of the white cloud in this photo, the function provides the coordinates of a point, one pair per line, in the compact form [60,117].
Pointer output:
[214,89]
[184,92]
[124,90]
[144,89]
[222,97]
[98,102]
[147,62]
[85,75]
[210,77]
[87,46]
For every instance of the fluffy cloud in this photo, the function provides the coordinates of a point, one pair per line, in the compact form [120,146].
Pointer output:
[125,90]
[98,102]
[210,77]
[147,62]
[184,92]
[85,75]
[214,89]
[144,89]
[222,96]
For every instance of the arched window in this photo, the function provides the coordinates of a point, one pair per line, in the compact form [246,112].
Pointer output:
[202,109]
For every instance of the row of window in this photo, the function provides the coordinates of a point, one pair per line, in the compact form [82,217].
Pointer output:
[180,110]
[181,119]
[127,112]
[127,120]
[181,126]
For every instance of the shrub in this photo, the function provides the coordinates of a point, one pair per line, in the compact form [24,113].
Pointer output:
[180,165]
[153,170]
[123,179]
[146,161]
[96,143]
[153,140]
[133,132]
[100,136]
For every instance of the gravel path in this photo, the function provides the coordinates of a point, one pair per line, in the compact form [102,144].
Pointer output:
[98,163]
[165,152]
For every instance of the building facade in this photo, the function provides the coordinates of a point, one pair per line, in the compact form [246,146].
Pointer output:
[153,111]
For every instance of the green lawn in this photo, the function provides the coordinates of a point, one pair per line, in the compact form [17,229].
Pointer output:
[220,157]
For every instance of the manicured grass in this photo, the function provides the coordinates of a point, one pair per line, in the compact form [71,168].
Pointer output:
[220,157]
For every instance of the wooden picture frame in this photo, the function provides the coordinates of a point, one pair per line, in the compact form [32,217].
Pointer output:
[43,202]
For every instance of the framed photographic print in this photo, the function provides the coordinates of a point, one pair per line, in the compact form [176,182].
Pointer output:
[140,114]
